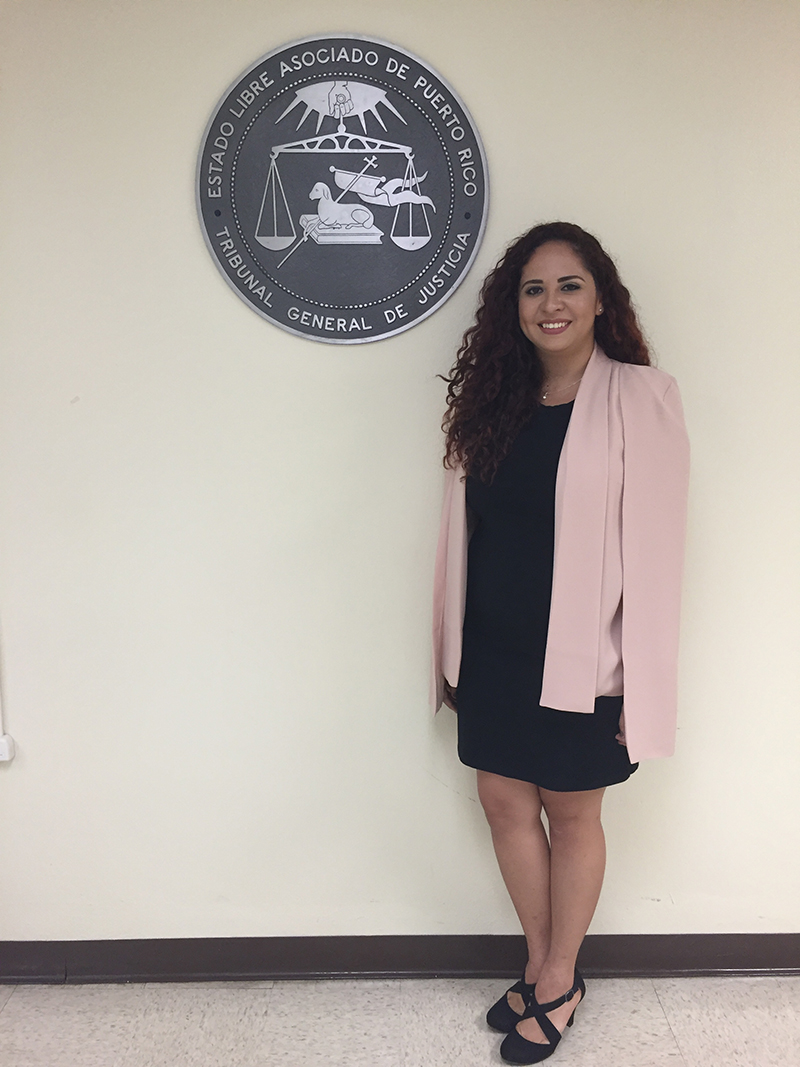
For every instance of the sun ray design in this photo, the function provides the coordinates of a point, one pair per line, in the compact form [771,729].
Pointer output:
[341,100]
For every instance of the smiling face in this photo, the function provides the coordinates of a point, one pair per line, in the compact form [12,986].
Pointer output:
[558,303]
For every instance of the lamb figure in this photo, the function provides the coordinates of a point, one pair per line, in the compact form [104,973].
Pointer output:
[338,216]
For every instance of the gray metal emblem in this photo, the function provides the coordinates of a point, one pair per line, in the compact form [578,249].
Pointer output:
[342,189]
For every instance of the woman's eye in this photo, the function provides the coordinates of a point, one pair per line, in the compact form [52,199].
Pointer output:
[533,290]
[570,286]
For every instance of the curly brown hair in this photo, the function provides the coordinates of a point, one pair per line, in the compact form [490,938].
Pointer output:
[495,383]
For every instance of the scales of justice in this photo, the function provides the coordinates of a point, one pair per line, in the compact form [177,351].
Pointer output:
[336,221]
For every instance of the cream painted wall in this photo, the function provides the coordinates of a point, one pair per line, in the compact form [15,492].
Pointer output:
[217,539]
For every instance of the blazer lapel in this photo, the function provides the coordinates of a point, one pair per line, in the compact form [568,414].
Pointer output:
[570,669]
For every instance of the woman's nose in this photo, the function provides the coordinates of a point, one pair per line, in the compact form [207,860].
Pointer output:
[552,300]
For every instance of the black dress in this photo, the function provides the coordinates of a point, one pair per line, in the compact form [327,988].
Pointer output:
[501,726]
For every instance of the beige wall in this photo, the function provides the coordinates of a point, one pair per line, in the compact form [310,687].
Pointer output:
[217,538]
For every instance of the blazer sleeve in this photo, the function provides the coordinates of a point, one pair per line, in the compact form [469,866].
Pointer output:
[654,506]
[449,587]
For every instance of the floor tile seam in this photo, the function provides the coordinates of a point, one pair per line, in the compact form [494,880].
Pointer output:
[269,998]
[669,1024]
[14,988]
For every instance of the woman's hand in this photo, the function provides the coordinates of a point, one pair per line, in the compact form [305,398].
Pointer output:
[450,697]
[620,738]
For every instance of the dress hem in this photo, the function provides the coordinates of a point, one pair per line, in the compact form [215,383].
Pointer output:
[552,788]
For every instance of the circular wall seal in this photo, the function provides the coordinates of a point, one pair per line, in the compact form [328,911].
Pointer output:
[342,188]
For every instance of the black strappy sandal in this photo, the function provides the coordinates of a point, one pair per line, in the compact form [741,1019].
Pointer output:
[517,1049]
[501,1016]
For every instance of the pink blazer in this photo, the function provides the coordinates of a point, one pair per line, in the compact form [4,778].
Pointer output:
[619,534]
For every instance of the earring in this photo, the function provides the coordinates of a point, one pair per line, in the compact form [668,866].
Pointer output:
[600,311]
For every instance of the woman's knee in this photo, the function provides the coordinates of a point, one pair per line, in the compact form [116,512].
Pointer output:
[573,813]
[507,802]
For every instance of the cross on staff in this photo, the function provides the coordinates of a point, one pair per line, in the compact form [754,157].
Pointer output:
[371,162]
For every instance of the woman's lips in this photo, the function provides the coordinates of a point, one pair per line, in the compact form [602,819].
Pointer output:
[557,326]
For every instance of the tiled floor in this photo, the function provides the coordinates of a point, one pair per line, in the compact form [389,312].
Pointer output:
[692,1022]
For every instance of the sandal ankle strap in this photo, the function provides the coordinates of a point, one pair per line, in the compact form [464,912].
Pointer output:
[525,989]
[537,1009]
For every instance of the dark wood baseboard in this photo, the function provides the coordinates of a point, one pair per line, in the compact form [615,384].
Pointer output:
[423,956]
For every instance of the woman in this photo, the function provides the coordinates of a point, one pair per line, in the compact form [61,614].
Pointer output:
[567,460]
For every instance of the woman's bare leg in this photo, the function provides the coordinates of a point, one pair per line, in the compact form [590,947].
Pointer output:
[513,810]
[577,865]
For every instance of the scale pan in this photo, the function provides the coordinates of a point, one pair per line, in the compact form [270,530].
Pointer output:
[410,243]
[275,243]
